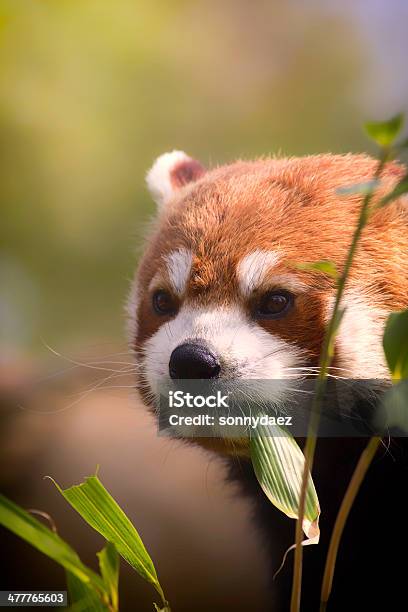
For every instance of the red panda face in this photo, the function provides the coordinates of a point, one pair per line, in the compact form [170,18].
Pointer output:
[219,294]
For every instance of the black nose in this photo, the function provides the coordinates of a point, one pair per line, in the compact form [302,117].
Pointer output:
[193,360]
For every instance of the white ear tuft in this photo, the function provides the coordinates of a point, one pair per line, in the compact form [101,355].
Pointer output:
[169,172]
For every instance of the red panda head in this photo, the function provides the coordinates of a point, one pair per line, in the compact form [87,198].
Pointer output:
[218,292]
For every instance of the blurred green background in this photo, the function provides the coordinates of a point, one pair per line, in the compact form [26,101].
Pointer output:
[91,91]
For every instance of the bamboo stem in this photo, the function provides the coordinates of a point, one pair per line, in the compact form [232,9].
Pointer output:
[324,363]
[348,500]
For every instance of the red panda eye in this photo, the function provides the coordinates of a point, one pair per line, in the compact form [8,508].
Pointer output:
[274,305]
[163,302]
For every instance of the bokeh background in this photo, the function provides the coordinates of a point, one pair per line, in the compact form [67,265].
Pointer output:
[91,91]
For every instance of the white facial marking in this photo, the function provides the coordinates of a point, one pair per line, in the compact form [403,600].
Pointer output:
[179,267]
[290,282]
[359,339]
[245,350]
[252,269]
[158,178]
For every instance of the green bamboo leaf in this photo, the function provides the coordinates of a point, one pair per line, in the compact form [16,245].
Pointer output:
[325,266]
[336,324]
[279,463]
[400,189]
[109,566]
[46,541]
[385,132]
[395,343]
[83,598]
[393,411]
[98,508]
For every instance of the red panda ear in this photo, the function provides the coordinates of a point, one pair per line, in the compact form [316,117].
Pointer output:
[169,173]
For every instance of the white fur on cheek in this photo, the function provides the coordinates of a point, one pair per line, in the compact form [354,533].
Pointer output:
[252,269]
[158,178]
[359,340]
[179,268]
[246,351]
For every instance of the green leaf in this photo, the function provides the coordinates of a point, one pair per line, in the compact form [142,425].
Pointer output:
[336,324]
[109,566]
[358,188]
[327,267]
[384,133]
[100,510]
[46,541]
[399,190]
[395,342]
[394,407]
[83,598]
[279,463]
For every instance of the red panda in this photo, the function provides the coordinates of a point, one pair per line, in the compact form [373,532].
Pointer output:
[219,294]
